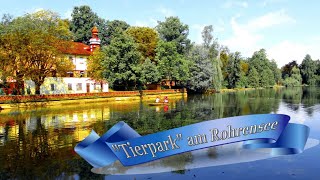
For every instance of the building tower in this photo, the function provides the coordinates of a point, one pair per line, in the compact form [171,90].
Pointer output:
[94,40]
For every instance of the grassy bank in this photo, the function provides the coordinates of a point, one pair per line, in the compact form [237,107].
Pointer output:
[248,89]
[12,102]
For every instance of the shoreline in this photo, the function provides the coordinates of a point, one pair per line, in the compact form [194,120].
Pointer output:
[87,99]
[47,103]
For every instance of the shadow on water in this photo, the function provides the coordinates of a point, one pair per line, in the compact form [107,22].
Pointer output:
[39,143]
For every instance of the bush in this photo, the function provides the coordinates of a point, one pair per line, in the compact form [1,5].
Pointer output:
[2,92]
[290,82]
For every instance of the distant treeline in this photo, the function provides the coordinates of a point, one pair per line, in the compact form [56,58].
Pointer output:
[131,57]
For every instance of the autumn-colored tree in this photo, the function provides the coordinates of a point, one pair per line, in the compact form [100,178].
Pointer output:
[94,66]
[31,47]
[146,38]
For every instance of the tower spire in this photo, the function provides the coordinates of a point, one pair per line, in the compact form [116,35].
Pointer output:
[94,40]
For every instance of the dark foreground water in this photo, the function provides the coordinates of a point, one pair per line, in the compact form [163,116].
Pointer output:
[38,143]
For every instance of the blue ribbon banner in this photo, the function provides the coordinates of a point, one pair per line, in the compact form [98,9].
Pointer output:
[123,143]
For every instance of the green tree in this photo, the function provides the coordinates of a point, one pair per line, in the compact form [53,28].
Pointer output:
[146,38]
[6,19]
[262,64]
[201,71]
[212,46]
[171,64]
[308,70]
[115,28]
[295,78]
[234,69]
[224,58]
[83,19]
[207,35]
[121,63]
[318,72]
[149,72]
[217,74]
[286,70]
[276,71]
[173,30]
[30,47]
[243,81]
[271,81]
[267,78]
[253,78]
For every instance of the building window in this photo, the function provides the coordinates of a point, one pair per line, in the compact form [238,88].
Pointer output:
[81,73]
[79,86]
[97,86]
[69,86]
[52,87]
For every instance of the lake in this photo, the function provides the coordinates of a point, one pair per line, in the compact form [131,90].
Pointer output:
[38,143]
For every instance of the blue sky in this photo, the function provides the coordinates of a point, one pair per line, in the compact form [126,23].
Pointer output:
[287,29]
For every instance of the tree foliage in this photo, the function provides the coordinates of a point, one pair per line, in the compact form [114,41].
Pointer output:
[115,28]
[212,46]
[308,70]
[146,38]
[173,30]
[121,63]
[295,78]
[201,71]
[234,69]
[149,72]
[83,19]
[94,65]
[287,69]
[172,65]
[263,65]
[30,47]
[207,35]
[253,78]
[276,71]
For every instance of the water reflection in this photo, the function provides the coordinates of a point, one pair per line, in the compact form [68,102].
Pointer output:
[39,143]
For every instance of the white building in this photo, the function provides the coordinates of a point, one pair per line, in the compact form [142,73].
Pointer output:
[77,80]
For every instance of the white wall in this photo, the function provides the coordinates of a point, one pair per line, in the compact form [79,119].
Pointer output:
[80,62]
[60,85]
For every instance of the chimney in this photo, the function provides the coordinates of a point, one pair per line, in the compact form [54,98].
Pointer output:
[94,41]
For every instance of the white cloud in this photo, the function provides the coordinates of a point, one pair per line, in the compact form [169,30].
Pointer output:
[270,19]
[220,26]
[230,4]
[269,2]
[247,36]
[151,22]
[286,51]
[196,30]
[67,14]
[165,11]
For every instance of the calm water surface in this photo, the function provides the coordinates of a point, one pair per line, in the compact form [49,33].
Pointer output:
[38,143]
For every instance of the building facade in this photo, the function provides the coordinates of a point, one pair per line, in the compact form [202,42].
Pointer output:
[77,80]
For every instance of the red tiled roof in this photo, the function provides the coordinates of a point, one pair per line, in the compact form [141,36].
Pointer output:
[76,48]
